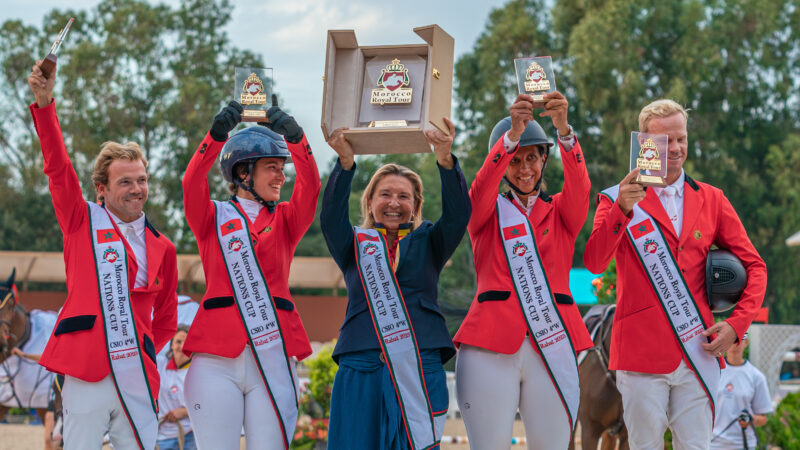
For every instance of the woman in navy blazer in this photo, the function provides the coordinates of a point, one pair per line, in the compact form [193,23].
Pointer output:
[365,413]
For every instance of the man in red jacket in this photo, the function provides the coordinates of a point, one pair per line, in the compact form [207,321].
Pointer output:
[665,345]
[121,278]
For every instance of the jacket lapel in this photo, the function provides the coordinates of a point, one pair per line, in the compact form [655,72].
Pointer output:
[652,205]
[692,204]
[155,254]
[262,221]
[540,210]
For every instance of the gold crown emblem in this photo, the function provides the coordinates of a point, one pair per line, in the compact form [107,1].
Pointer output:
[395,66]
[649,144]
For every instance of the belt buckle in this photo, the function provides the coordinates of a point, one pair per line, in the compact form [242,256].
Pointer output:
[382,358]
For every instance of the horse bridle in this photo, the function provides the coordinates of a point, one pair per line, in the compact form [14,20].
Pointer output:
[601,351]
[5,325]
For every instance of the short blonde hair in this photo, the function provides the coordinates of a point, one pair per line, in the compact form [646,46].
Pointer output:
[659,109]
[367,220]
[110,152]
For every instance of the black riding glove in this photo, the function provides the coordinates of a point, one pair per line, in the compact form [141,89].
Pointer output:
[282,123]
[225,121]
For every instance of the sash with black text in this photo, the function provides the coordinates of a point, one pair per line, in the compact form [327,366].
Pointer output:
[538,307]
[259,315]
[122,341]
[675,297]
[397,339]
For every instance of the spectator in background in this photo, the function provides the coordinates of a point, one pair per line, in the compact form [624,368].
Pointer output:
[742,401]
[172,407]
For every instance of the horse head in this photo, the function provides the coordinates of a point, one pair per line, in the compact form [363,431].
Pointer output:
[8,303]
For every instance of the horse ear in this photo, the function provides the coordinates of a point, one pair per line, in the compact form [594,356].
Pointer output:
[10,281]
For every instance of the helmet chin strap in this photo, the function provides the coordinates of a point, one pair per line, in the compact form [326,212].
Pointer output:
[249,187]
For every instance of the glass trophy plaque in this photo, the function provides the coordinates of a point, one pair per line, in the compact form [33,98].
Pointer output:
[253,88]
[535,76]
[649,155]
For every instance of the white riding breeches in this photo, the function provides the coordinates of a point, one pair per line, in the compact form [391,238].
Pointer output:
[93,409]
[653,402]
[225,394]
[492,386]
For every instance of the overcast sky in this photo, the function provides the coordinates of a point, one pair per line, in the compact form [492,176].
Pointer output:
[291,36]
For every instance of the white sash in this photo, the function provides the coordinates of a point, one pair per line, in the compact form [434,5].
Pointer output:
[397,339]
[536,300]
[122,342]
[675,297]
[258,313]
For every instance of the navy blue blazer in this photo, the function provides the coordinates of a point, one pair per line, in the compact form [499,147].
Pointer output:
[423,253]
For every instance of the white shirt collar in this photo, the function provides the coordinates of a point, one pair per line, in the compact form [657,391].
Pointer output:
[138,224]
[678,185]
[531,201]
[250,207]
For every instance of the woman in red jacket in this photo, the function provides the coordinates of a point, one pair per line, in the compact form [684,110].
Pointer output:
[517,344]
[247,335]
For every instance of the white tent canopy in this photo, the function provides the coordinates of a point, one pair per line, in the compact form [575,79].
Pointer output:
[793,240]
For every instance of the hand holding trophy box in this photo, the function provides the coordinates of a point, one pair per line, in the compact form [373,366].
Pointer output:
[49,62]
[649,155]
[387,95]
[252,89]
[535,77]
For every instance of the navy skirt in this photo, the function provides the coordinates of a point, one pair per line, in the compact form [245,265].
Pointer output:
[365,414]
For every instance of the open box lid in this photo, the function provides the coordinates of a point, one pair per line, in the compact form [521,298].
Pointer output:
[344,82]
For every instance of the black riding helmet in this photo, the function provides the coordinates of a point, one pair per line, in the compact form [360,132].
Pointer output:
[247,147]
[533,135]
[726,279]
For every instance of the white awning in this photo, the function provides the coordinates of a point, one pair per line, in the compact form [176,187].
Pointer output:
[793,240]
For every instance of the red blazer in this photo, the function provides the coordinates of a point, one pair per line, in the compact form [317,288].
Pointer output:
[495,321]
[217,328]
[642,339]
[77,346]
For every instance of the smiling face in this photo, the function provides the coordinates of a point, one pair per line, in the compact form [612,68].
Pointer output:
[392,203]
[673,126]
[525,167]
[126,191]
[268,178]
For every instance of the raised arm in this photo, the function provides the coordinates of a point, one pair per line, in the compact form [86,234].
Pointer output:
[610,221]
[196,197]
[456,208]
[335,215]
[303,204]
[577,187]
[65,189]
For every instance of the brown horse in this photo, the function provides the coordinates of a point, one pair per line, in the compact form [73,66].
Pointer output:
[15,330]
[600,412]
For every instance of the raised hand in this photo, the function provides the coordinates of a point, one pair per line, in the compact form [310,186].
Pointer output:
[521,113]
[442,143]
[282,123]
[630,192]
[225,121]
[556,107]
[342,148]
[41,86]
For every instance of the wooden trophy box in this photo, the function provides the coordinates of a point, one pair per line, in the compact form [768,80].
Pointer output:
[352,73]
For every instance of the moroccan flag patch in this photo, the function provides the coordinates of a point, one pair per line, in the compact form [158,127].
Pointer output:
[641,228]
[367,237]
[514,231]
[230,226]
[108,235]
